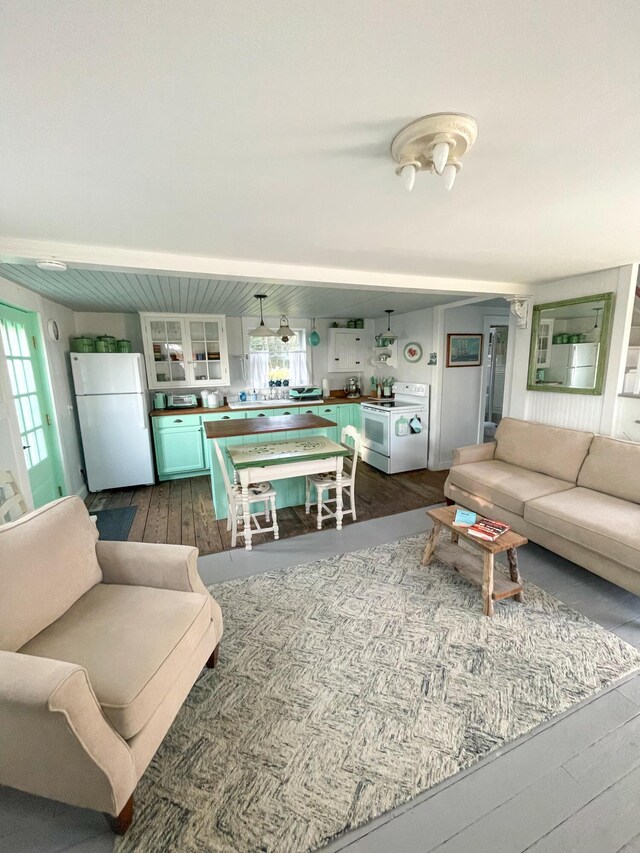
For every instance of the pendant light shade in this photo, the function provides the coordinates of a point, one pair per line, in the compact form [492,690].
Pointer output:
[285,333]
[389,336]
[314,337]
[262,331]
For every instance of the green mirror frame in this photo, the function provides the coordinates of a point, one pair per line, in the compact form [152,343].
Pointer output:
[605,338]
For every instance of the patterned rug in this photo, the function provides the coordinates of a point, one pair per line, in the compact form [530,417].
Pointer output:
[348,686]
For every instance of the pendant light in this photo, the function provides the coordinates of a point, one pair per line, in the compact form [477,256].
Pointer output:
[314,337]
[597,310]
[285,333]
[389,336]
[262,331]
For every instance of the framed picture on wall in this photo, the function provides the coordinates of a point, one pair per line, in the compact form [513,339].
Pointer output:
[464,350]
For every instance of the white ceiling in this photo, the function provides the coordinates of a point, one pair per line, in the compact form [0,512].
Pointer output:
[105,290]
[247,130]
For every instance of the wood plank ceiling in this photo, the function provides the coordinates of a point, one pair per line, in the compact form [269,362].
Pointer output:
[105,290]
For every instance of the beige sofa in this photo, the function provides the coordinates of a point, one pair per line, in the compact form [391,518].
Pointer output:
[100,643]
[573,492]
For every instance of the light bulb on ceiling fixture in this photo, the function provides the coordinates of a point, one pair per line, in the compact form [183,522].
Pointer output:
[408,173]
[449,174]
[440,155]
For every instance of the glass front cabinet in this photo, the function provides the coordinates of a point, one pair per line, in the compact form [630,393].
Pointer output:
[185,350]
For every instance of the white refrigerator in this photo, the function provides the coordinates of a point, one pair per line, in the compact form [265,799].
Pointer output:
[113,410]
[575,365]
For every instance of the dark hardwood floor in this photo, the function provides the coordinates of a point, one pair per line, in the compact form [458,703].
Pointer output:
[181,511]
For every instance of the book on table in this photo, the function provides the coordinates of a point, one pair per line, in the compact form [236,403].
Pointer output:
[464,518]
[488,529]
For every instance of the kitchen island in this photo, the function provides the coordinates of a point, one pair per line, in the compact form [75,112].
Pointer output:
[306,450]
[248,432]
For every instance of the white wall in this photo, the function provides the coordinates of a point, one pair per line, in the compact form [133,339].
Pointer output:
[59,374]
[577,411]
[119,325]
[455,391]
[416,327]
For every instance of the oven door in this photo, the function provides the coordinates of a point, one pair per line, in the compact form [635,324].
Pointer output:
[375,430]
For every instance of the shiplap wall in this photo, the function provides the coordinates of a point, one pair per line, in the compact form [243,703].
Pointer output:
[576,411]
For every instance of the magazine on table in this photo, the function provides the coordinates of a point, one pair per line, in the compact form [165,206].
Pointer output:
[488,529]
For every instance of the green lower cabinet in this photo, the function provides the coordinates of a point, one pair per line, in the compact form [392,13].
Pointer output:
[217,482]
[348,415]
[182,450]
[179,451]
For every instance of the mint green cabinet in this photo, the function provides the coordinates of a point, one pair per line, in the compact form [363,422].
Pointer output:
[179,450]
[182,450]
[217,482]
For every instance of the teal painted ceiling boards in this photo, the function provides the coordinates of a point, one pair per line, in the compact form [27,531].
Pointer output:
[105,290]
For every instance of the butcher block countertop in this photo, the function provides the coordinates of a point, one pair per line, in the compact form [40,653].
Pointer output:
[262,426]
[198,410]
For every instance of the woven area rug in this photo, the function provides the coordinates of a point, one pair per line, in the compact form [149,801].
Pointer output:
[348,686]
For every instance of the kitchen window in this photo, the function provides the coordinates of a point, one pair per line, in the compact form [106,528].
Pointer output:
[271,359]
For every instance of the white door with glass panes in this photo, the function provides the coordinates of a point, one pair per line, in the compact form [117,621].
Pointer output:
[185,350]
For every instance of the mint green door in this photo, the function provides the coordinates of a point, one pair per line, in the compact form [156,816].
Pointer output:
[30,390]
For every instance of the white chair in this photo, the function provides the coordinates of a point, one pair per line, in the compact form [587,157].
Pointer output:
[12,503]
[326,482]
[259,493]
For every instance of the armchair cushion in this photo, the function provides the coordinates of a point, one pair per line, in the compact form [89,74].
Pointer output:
[47,561]
[133,642]
[160,566]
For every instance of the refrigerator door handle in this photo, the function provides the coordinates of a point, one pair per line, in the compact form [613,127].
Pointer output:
[143,412]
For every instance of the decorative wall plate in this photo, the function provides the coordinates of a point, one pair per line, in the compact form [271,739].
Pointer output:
[52,329]
[412,351]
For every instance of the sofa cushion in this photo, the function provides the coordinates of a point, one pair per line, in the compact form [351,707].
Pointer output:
[505,485]
[537,447]
[47,561]
[132,640]
[606,525]
[613,467]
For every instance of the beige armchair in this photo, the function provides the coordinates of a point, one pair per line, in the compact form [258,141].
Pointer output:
[100,643]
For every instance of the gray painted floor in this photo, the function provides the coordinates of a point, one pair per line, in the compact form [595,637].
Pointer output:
[573,785]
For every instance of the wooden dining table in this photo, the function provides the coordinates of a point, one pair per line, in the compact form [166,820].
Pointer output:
[279,460]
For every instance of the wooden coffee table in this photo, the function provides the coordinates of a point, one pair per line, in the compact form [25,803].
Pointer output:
[479,573]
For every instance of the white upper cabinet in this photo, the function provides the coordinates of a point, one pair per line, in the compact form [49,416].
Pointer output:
[185,350]
[347,350]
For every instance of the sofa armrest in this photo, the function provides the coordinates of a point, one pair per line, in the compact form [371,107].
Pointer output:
[474,453]
[55,740]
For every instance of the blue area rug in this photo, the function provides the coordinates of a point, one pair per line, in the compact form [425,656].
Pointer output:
[115,524]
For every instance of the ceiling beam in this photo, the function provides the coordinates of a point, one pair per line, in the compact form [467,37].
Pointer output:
[20,251]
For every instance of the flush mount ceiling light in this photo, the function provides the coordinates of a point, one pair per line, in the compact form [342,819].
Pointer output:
[51,265]
[284,332]
[433,143]
[262,331]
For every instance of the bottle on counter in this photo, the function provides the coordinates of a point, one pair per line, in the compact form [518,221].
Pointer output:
[242,396]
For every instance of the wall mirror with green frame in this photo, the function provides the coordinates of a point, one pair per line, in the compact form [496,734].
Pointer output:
[570,344]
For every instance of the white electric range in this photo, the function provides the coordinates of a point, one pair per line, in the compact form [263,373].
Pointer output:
[395,433]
